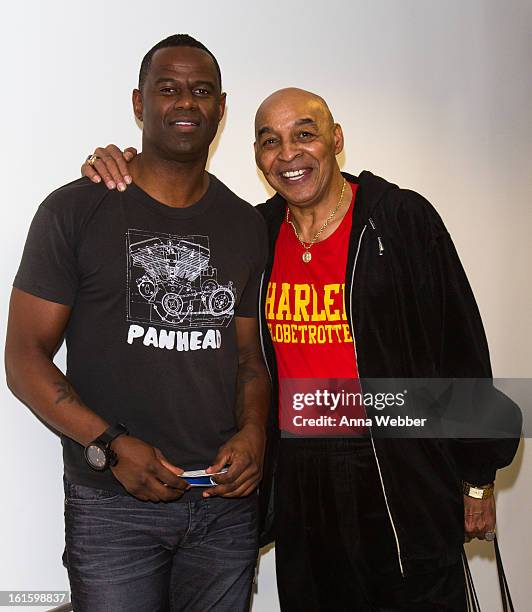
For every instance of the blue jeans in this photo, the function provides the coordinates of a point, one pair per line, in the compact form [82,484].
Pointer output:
[126,555]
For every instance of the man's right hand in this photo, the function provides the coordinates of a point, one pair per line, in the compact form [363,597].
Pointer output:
[111,165]
[141,471]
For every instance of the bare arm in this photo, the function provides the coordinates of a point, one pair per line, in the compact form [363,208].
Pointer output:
[35,330]
[244,452]
[253,383]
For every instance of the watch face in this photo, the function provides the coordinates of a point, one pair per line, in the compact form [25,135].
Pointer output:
[96,457]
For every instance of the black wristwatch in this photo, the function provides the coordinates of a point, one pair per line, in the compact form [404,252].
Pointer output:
[99,454]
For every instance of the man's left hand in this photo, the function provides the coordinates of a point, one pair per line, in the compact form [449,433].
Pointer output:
[479,517]
[243,454]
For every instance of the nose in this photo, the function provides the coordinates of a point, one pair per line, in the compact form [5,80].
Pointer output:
[288,151]
[185,99]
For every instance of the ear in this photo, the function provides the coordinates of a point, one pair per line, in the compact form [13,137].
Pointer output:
[223,97]
[138,104]
[258,159]
[338,139]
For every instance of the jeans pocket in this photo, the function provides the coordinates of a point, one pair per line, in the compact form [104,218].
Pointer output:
[80,494]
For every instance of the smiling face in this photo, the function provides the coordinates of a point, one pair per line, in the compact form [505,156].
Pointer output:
[296,143]
[180,104]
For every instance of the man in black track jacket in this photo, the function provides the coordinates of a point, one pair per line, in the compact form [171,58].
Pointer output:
[412,315]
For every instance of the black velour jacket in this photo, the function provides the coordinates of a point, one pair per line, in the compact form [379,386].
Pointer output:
[413,315]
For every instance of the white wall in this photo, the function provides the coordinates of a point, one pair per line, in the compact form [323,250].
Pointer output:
[433,95]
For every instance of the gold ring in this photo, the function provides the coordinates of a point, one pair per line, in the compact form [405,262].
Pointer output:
[91,159]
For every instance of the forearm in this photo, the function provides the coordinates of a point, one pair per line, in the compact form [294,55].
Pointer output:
[244,452]
[252,394]
[34,379]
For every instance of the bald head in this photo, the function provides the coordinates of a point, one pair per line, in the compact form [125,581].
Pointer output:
[289,99]
[296,143]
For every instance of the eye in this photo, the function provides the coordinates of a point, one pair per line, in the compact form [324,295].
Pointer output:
[269,142]
[167,90]
[201,91]
[305,135]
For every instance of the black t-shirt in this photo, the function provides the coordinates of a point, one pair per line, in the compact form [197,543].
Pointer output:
[154,290]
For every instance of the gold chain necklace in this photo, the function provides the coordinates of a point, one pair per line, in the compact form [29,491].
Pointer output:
[307,256]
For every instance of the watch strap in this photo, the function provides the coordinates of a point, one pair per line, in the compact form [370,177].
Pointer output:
[110,434]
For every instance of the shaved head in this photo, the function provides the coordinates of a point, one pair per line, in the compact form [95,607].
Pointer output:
[290,97]
[296,144]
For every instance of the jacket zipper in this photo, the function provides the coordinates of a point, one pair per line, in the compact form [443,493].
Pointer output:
[397,545]
[379,239]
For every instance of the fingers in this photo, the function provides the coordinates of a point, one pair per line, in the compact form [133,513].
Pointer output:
[142,474]
[241,479]
[159,484]
[169,474]
[246,488]
[107,167]
[170,467]
[122,177]
[129,154]
[476,526]
[155,491]
[110,166]
[236,489]
[88,171]
[247,491]
[473,526]
[222,459]
[100,168]
[479,517]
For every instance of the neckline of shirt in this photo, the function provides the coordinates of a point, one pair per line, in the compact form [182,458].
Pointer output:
[198,208]
[340,227]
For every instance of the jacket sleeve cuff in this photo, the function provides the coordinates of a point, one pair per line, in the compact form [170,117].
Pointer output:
[478,475]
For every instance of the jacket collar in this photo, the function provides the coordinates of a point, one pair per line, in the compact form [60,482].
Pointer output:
[371,190]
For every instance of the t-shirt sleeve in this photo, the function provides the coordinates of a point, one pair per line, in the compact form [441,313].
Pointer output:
[249,302]
[48,267]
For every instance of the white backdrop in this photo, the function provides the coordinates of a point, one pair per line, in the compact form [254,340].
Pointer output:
[432,95]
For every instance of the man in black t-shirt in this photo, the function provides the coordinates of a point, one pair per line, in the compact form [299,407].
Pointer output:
[156,292]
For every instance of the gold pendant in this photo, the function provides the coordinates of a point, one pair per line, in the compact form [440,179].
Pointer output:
[306,257]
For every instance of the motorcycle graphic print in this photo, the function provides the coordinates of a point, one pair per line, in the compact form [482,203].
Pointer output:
[171,282]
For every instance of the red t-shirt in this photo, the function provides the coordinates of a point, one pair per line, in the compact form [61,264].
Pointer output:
[305,311]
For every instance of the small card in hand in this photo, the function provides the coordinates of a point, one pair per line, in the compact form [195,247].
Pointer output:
[198,478]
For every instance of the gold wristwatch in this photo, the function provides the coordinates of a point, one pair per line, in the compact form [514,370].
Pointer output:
[478,491]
